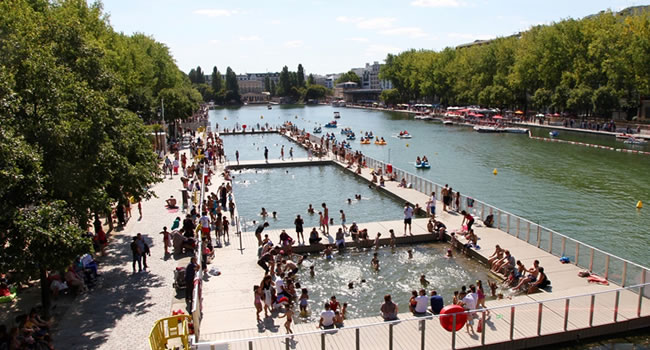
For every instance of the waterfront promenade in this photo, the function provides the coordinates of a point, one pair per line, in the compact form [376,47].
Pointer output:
[565,320]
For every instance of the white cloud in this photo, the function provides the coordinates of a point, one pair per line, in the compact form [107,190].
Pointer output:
[376,23]
[293,44]
[249,38]
[437,3]
[412,32]
[357,39]
[216,12]
[346,19]
[215,42]
[470,36]
[381,50]
[275,22]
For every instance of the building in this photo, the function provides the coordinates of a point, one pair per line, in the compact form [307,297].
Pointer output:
[369,76]
[254,86]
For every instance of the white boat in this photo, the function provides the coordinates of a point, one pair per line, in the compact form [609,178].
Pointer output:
[516,130]
[447,122]
[487,129]
[337,115]
[339,103]
[635,141]
[623,136]
[269,107]
[404,136]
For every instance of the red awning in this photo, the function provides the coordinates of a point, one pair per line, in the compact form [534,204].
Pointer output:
[497,117]
[479,115]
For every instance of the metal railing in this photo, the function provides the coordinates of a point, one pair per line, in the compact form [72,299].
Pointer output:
[615,269]
[551,316]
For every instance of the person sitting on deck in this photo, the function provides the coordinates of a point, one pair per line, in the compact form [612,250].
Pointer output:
[381,181]
[533,273]
[506,264]
[313,237]
[541,283]
[392,177]
[496,256]
[402,183]
[171,203]
[489,221]
[389,309]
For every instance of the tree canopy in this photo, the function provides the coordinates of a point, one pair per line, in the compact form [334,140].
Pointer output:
[74,99]
[597,64]
[349,76]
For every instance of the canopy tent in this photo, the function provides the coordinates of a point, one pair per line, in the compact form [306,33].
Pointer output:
[497,117]
[519,112]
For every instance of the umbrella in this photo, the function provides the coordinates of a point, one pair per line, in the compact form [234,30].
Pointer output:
[519,112]
[479,115]
[497,117]
[556,114]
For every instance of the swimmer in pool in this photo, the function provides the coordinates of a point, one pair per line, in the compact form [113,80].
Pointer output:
[328,252]
[423,281]
[311,271]
[449,254]
[374,262]
[410,253]
[310,209]
[264,213]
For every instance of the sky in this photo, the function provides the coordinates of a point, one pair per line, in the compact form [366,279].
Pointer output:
[329,36]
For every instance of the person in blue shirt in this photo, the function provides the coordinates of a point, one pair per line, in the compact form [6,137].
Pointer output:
[436,303]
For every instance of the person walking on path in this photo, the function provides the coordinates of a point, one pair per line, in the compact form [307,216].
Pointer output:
[166,240]
[190,273]
[299,228]
[445,197]
[291,153]
[266,154]
[144,250]
[237,156]
[408,215]
[137,254]
[282,152]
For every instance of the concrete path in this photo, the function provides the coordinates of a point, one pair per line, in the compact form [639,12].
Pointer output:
[121,310]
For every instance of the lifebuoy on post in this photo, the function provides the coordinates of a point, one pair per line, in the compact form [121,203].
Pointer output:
[447,320]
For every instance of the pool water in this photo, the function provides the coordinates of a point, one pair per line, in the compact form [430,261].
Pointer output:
[289,191]
[251,147]
[397,275]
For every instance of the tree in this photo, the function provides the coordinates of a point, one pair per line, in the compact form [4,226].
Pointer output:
[216,82]
[315,92]
[267,83]
[542,99]
[390,96]
[200,76]
[301,76]
[284,85]
[232,87]
[349,76]
[604,101]
[310,79]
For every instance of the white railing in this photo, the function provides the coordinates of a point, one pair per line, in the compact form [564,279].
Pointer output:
[615,269]
[575,312]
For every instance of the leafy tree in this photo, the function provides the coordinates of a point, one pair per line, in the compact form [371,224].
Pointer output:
[390,96]
[316,92]
[284,83]
[267,83]
[216,83]
[310,79]
[604,101]
[542,98]
[349,76]
[300,76]
[232,86]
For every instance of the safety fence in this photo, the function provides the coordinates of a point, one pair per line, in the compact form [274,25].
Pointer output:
[615,269]
[497,325]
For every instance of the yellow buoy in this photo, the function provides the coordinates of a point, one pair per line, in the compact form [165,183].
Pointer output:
[261,117]
[407,145]
[494,171]
[639,205]
[225,118]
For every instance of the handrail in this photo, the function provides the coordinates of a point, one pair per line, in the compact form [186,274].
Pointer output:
[427,317]
[406,173]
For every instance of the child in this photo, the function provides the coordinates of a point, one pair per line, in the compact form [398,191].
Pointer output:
[258,301]
[449,254]
[311,271]
[338,319]
[392,238]
[289,315]
[455,301]
[423,281]
[410,253]
[377,241]
[374,262]
[345,228]
[493,288]
[166,240]
[304,301]
[344,310]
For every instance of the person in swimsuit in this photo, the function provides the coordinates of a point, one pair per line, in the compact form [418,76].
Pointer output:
[326,219]
[304,301]
[299,229]
[289,315]
[258,300]
[345,228]
[266,286]
[389,309]
[467,218]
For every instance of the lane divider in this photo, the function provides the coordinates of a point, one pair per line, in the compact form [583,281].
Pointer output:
[624,150]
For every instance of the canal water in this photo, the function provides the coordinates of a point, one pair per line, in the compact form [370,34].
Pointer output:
[397,275]
[588,194]
[251,147]
[289,191]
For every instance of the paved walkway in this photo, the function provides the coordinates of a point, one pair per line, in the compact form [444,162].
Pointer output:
[123,307]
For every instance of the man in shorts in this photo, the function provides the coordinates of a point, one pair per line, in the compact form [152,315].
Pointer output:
[469,303]
[205,224]
[258,232]
[408,216]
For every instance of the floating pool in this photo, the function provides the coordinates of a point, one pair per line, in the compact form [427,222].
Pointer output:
[289,191]
[251,147]
[398,276]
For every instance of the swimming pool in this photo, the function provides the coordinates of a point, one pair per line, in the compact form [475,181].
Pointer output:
[398,275]
[289,191]
[251,146]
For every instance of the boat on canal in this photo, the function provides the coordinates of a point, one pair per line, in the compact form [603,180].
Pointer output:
[337,115]
[331,124]
[487,129]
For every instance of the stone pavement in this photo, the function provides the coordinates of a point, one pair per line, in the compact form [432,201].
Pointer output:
[123,307]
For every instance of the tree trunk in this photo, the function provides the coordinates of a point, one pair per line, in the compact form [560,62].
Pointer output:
[45,294]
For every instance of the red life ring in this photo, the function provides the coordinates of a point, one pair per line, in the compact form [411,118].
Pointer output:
[447,321]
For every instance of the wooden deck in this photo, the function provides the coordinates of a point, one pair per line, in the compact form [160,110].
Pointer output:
[229,313]
[277,163]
